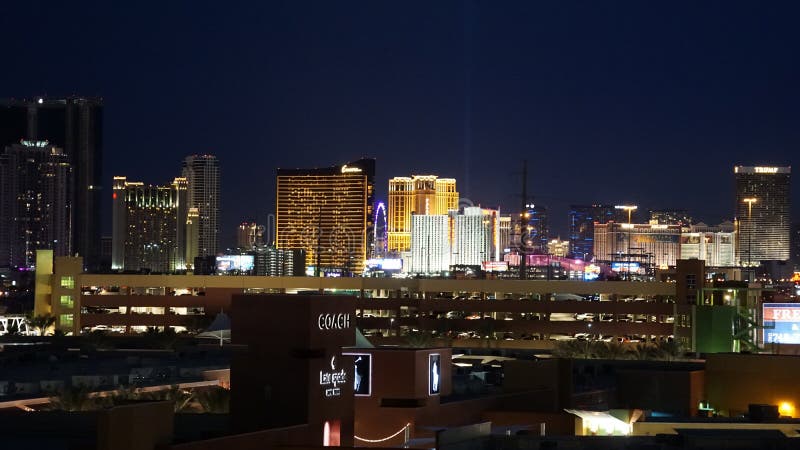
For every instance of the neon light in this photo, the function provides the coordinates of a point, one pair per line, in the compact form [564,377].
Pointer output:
[766,169]
[380,212]
[346,169]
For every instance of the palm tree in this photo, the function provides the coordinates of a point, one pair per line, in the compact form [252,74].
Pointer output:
[644,351]
[164,340]
[41,323]
[670,350]
[124,394]
[610,350]
[573,349]
[181,398]
[75,398]
[418,339]
[214,400]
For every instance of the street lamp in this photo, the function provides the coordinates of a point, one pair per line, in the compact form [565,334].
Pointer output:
[629,208]
[749,201]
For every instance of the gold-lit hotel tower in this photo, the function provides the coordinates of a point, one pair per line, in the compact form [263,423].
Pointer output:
[418,194]
[328,213]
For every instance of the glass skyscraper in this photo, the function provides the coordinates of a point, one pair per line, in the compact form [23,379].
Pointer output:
[74,124]
[581,227]
[202,174]
[762,213]
[35,202]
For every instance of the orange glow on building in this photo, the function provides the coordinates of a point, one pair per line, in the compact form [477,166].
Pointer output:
[328,213]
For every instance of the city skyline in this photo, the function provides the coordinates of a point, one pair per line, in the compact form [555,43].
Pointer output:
[418,224]
[606,105]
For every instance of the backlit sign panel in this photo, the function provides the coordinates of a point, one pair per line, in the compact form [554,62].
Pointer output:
[591,272]
[494,266]
[362,374]
[781,323]
[385,263]
[332,380]
[229,263]
[625,266]
[434,373]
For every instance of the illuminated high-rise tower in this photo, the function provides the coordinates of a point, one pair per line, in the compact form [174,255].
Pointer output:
[762,214]
[202,174]
[581,227]
[474,237]
[328,212]
[149,226]
[74,124]
[430,244]
[418,194]
[249,235]
[35,202]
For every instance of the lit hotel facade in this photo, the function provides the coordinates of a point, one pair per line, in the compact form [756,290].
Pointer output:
[762,213]
[418,194]
[656,245]
[149,226]
[328,212]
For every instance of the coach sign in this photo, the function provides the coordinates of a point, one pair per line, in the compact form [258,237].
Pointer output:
[333,321]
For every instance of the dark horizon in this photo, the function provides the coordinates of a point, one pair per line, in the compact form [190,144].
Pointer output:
[609,103]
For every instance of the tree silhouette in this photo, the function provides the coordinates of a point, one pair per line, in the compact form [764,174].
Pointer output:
[41,323]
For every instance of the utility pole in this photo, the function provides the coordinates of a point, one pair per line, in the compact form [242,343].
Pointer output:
[524,222]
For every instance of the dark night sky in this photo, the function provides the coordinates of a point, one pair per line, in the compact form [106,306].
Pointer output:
[609,101]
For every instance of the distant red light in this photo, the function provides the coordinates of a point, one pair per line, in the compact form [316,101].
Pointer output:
[114,195]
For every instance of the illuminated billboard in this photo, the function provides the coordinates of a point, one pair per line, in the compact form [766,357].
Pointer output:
[234,263]
[625,266]
[494,266]
[385,263]
[781,323]
[362,374]
[434,373]
[591,272]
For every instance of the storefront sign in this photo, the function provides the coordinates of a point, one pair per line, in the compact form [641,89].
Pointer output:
[332,380]
[333,321]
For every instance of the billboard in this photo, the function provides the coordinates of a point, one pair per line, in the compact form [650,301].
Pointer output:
[385,263]
[494,266]
[781,323]
[625,266]
[434,373]
[362,374]
[591,272]
[230,263]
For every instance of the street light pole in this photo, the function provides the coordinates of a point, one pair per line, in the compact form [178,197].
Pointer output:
[629,208]
[750,202]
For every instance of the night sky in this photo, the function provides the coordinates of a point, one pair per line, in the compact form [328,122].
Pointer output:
[608,101]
